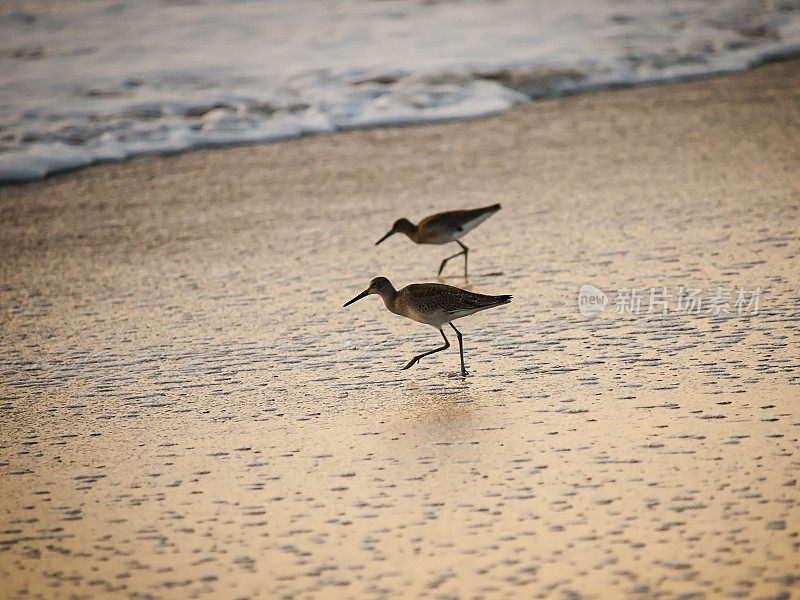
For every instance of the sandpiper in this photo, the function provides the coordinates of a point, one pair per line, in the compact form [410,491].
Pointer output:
[434,304]
[444,227]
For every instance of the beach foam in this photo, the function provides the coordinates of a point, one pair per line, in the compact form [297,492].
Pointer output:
[90,82]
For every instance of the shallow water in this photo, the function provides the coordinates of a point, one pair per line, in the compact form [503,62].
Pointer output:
[100,80]
[187,411]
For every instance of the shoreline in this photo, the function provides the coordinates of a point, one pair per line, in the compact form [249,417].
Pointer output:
[782,55]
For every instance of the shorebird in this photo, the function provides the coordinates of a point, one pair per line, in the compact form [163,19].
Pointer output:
[434,304]
[443,228]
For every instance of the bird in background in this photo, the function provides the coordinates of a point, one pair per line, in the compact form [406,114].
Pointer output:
[434,304]
[443,228]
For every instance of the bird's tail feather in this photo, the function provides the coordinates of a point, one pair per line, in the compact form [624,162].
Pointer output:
[500,300]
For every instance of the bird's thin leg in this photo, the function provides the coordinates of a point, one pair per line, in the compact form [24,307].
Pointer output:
[444,261]
[466,252]
[464,372]
[414,360]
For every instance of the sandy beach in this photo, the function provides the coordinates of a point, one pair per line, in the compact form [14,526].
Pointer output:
[188,411]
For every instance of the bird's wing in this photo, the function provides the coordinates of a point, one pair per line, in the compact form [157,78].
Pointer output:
[459,220]
[450,220]
[446,298]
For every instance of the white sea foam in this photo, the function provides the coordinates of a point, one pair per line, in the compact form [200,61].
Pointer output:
[89,81]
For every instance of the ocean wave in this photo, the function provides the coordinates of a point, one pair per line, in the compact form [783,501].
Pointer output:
[102,80]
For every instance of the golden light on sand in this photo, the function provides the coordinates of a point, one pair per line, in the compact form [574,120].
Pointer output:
[187,411]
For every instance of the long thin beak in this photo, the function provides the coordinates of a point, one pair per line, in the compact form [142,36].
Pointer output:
[384,237]
[359,297]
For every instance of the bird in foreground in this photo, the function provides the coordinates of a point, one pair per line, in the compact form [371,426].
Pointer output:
[443,228]
[434,304]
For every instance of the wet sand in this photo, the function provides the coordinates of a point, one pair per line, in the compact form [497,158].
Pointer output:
[187,411]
